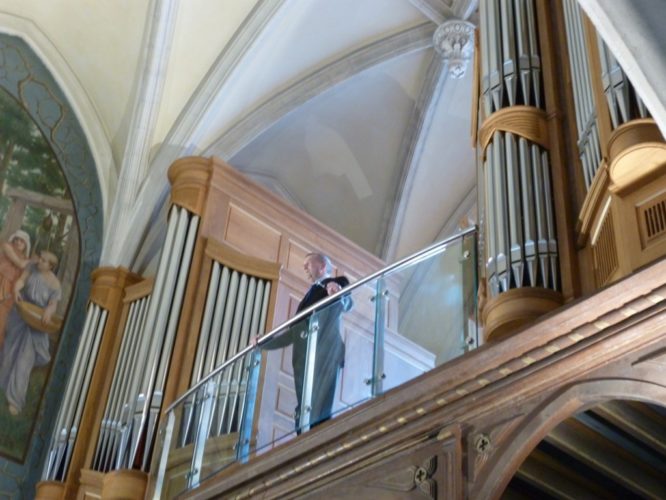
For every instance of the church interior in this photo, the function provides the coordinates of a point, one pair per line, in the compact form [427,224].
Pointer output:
[490,176]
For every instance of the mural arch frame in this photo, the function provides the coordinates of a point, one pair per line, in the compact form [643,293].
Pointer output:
[28,80]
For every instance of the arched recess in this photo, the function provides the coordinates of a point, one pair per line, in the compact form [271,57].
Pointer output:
[28,81]
[552,412]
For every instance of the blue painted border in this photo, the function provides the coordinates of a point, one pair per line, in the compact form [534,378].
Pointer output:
[25,77]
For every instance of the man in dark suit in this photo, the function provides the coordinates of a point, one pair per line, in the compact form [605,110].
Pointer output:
[330,350]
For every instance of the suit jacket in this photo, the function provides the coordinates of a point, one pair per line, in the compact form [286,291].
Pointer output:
[330,347]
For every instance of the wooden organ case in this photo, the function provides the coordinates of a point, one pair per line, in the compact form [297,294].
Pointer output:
[230,268]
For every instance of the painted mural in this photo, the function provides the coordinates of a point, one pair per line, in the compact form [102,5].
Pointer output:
[39,255]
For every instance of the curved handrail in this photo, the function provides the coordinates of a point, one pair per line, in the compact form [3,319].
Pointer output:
[410,259]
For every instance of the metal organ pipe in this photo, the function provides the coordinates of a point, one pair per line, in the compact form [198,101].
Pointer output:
[624,103]
[71,410]
[521,237]
[586,116]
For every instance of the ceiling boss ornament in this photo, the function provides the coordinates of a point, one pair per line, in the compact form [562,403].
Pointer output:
[454,42]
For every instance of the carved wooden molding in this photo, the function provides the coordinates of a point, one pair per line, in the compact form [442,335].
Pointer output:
[189,178]
[109,284]
[510,310]
[125,483]
[547,414]
[418,476]
[588,335]
[239,261]
[139,290]
[483,442]
[525,121]
[49,490]
[91,482]
[637,154]
[594,200]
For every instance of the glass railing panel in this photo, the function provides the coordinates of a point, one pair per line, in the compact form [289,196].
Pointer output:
[174,449]
[373,336]
[314,369]
[432,318]
[222,438]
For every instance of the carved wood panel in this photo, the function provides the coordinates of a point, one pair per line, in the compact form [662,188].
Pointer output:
[429,469]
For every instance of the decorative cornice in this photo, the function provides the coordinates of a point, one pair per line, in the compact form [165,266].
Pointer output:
[636,154]
[525,121]
[190,179]
[454,42]
[109,284]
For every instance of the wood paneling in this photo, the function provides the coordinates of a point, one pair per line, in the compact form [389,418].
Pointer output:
[251,235]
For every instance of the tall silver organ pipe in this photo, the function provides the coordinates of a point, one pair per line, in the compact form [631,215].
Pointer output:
[624,104]
[116,422]
[135,399]
[520,227]
[71,410]
[589,148]
[236,310]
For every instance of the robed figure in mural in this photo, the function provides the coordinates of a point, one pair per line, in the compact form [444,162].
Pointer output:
[27,343]
[14,255]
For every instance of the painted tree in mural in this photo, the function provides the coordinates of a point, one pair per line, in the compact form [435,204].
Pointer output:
[38,255]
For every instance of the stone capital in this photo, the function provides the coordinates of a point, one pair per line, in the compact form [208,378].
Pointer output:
[454,42]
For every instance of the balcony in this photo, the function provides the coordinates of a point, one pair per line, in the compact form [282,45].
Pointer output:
[247,409]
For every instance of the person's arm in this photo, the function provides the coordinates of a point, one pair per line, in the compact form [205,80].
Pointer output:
[337,284]
[278,341]
[18,286]
[49,310]
[15,258]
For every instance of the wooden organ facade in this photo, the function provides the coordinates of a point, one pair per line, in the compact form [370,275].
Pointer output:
[572,164]
[231,268]
[573,200]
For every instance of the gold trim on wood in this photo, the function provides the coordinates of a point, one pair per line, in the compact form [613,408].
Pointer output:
[239,261]
[190,181]
[592,204]
[526,121]
[637,154]
[509,311]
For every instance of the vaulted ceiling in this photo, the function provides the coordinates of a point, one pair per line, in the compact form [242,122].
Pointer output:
[344,108]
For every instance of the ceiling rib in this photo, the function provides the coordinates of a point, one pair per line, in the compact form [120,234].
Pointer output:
[411,150]
[435,10]
[187,126]
[315,84]
[150,85]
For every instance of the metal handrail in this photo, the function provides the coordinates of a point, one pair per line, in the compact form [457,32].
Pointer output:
[409,260]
